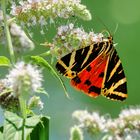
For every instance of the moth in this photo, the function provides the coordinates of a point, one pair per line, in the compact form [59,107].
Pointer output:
[96,69]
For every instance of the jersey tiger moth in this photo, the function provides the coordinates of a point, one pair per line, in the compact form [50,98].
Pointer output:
[96,69]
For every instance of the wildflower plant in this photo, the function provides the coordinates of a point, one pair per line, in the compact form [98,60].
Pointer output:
[125,127]
[70,38]
[22,85]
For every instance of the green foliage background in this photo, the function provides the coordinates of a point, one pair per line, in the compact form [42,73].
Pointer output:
[126,14]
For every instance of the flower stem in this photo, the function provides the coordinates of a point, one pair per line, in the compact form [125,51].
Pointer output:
[23,110]
[8,36]
[22,102]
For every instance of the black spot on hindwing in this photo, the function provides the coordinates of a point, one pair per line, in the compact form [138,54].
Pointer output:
[77,80]
[94,89]
[87,82]
[101,74]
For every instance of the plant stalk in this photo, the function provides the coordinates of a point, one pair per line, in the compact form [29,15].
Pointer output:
[22,102]
[7,32]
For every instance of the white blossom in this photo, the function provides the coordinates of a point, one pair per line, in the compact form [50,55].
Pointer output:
[20,40]
[15,29]
[23,74]
[128,113]
[18,34]
[34,102]
[88,120]
[69,38]
[124,127]
[51,9]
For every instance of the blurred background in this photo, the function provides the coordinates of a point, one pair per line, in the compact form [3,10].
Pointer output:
[126,14]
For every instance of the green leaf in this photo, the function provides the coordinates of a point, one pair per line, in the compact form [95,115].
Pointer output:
[43,91]
[41,131]
[1,129]
[41,61]
[4,61]
[1,133]
[12,126]
[17,128]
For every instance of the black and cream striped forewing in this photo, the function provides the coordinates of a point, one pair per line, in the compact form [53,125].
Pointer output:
[76,61]
[114,85]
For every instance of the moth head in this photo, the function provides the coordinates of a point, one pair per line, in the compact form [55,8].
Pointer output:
[110,39]
[70,74]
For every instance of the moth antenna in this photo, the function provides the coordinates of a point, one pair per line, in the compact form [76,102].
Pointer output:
[106,28]
[116,28]
[106,31]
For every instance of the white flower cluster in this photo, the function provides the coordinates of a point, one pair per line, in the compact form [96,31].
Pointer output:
[78,33]
[19,35]
[125,127]
[35,101]
[31,12]
[23,80]
[24,76]
[69,38]
[20,40]
[92,122]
